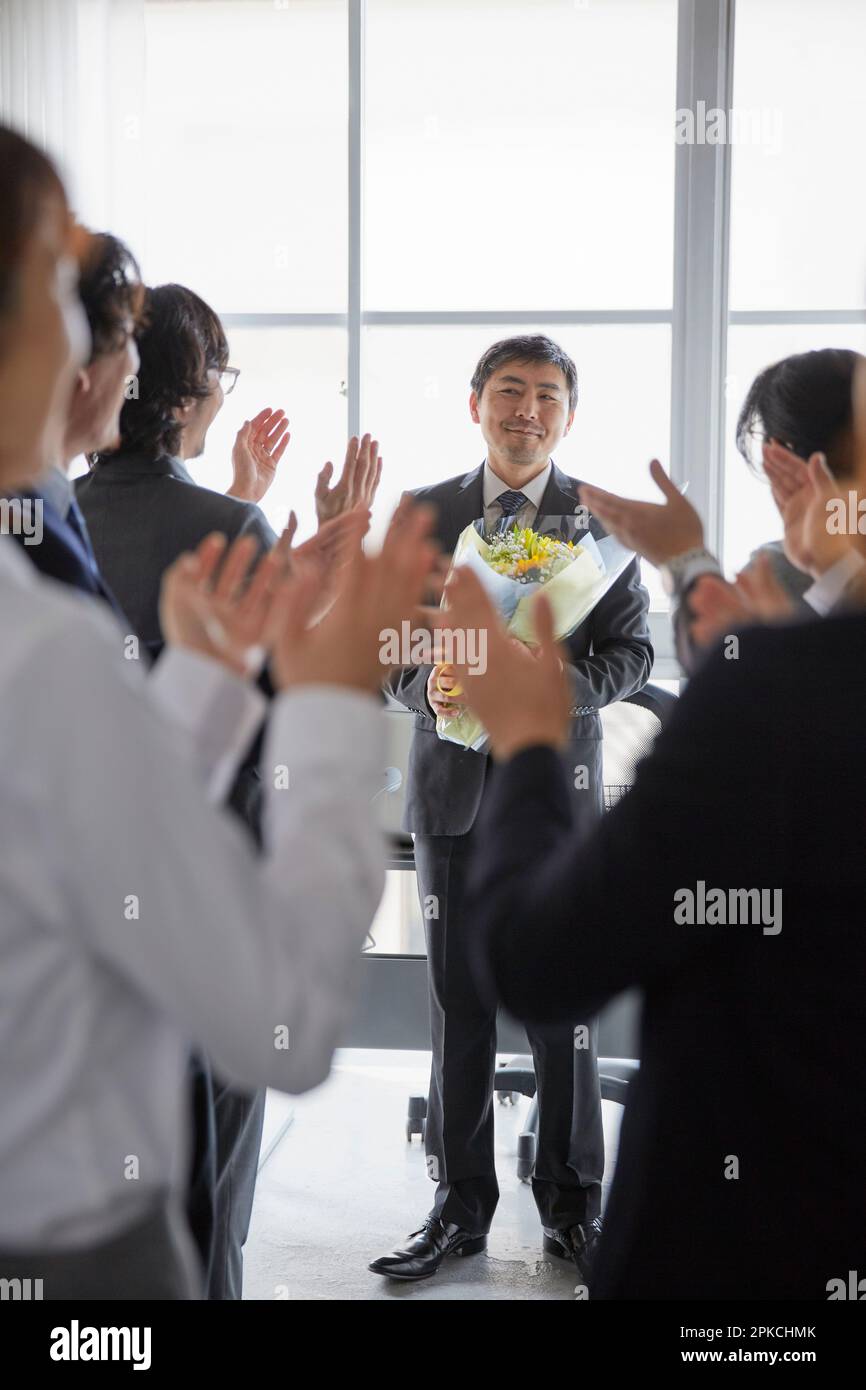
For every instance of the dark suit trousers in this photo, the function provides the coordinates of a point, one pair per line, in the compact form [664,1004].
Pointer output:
[201,1191]
[239,1117]
[570,1155]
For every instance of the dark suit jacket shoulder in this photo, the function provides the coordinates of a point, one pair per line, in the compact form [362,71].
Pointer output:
[142,514]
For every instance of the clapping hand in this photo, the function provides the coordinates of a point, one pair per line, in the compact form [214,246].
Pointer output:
[380,592]
[216,608]
[325,556]
[357,484]
[801,492]
[719,608]
[258,448]
[655,530]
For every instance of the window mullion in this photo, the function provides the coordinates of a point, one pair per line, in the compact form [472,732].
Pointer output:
[356,17]
[701,251]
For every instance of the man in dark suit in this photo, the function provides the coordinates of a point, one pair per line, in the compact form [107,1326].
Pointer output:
[523,397]
[729,885]
[142,509]
[141,505]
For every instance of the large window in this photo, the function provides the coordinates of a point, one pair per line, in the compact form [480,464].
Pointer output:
[369,194]
[798,211]
[370,191]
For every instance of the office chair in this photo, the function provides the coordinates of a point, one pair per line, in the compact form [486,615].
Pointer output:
[629,728]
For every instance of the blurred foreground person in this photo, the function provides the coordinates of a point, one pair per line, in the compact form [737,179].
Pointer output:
[122,890]
[730,887]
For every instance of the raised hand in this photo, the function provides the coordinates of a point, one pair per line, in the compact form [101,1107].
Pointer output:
[801,492]
[325,555]
[522,697]
[719,607]
[357,484]
[259,445]
[379,593]
[655,530]
[216,608]
[761,591]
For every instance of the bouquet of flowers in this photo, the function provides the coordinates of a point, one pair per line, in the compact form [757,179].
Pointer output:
[514,566]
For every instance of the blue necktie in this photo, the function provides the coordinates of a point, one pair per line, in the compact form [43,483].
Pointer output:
[510,502]
[76,523]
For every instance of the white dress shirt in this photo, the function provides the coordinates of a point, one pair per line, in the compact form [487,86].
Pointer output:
[494,486]
[829,588]
[134,918]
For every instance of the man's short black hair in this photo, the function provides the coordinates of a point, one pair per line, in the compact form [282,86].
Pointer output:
[111,292]
[527,347]
[182,339]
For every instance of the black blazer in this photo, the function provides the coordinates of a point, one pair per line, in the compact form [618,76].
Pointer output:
[611,657]
[142,514]
[753,1043]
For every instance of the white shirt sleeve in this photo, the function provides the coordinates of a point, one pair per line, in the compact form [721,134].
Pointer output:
[219,712]
[693,569]
[254,958]
[830,586]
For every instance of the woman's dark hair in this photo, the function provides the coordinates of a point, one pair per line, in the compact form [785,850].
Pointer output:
[803,402]
[182,339]
[526,348]
[111,291]
[26,176]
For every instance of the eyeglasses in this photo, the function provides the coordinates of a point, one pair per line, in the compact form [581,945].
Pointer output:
[228,379]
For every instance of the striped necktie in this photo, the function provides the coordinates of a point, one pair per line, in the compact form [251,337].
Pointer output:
[511,503]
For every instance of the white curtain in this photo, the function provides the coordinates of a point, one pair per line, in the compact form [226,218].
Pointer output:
[72,79]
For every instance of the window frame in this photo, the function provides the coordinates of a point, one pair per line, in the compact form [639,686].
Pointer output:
[699,316]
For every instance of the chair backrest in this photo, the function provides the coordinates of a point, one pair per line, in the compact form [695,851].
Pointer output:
[630,728]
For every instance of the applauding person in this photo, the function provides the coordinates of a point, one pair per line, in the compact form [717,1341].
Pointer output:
[797,408]
[734,1178]
[137,918]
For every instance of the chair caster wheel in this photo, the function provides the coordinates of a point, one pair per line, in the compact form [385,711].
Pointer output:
[416,1118]
[526,1144]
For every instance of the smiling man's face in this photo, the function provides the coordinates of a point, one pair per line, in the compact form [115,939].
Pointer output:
[523,411]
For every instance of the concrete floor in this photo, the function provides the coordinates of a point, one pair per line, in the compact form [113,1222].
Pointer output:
[340,1185]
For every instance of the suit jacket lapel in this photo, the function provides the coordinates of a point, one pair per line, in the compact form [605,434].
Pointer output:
[560,495]
[466,505]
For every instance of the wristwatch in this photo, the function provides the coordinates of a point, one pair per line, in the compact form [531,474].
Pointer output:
[681,569]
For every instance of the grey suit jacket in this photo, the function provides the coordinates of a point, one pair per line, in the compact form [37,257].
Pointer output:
[611,657]
[142,514]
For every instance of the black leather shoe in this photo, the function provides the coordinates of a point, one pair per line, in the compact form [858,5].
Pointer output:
[577,1244]
[426,1249]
